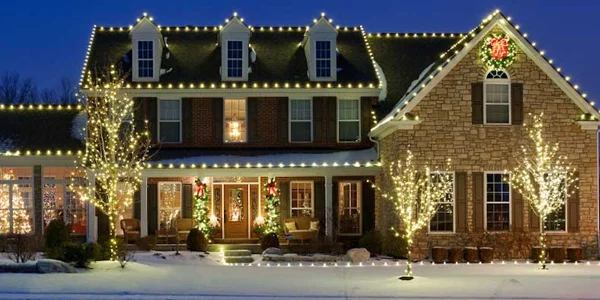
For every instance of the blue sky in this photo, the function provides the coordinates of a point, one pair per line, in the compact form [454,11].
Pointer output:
[46,40]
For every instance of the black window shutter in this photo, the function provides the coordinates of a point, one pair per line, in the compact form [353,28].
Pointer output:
[139,113]
[187,204]
[136,205]
[366,121]
[332,119]
[319,195]
[461,201]
[187,120]
[573,205]
[152,115]
[217,114]
[152,198]
[283,120]
[284,201]
[478,195]
[477,102]
[318,123]
[368,205]
[518,209]
[534,221]
[253,134]
[516,99]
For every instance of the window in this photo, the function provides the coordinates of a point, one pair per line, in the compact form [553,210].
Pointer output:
[59,201]
[497,202]
[234,58]
[350,205]
[302,198]
[169,204]
[443,219]
[169,123]
[300,120]
[16,201]
[496,98]
[235,120]
[348,121]
[323,59]
[557,220]
[145,59]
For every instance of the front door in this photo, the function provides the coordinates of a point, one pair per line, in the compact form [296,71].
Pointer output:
[236,211]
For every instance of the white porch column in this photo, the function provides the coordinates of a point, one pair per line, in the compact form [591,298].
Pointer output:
[329,207]
[92,220]
[144,207]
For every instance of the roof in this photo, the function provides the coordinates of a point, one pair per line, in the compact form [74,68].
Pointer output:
[195,56]
[403,56]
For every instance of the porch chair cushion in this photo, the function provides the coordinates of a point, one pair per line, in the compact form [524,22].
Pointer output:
[314,225]
[290,226]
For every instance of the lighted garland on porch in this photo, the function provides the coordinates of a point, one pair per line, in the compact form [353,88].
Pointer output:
[498,51]
[271,220]
[201,203]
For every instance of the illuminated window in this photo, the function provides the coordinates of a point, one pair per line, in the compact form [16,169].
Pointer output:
[350,205]
[145,59]
[169,123]
[16,200]
[557,220]
[60,201]
[235,121]
[302,198]
[497,202]
[443,219]
[323,59]
[234,58]
[169,204]
[300,120]
[348,121]
[496,98]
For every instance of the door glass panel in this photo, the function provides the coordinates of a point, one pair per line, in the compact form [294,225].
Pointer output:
[236,205]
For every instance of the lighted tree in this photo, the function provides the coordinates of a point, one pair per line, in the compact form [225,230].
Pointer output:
[542,177]
[270,222]
[20,215]
[416,193]
[115,150]
[202,200]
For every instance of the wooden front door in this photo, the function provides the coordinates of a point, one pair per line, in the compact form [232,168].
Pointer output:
[236,211]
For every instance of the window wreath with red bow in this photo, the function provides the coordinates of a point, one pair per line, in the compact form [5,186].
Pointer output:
[498,51]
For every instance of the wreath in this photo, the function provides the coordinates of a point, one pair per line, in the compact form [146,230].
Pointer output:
[498,51]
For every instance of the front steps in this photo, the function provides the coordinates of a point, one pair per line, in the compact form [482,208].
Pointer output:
[237,256]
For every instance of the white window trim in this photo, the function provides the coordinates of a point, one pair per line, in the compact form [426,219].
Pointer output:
[496,81]
[559,232]
[290,121]
[227,59]
[359,187]
[160,200]
[337,110]
[170,121]
[245,120]
[312,196]
[453,206]
[331,57]
[485,202]
[136,59]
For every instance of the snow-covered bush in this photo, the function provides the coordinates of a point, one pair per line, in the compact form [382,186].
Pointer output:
[22,247]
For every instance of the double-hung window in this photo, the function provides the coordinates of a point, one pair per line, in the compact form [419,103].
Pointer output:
[145,59]
[348,121]
[235,121]
[300,120]
[169,123]
[497,202]
[302,198]
[323,59]
[169,204]
[234,59]
[350,206]
[497,98]
[443,219]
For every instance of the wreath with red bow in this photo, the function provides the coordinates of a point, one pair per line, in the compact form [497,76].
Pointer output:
[498,51]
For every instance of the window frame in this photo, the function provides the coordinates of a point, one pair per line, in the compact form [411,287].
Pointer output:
[245,121]
[429,231]
[138,59]
[359,201]
[290,121]
[312,196]
[64,183]
[159,200]
[485,202]
[317,59]
[338,121]
[228,59]
[497,81]
[180,121]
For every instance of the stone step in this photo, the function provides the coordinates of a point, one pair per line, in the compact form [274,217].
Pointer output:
[238,252]
[238,259]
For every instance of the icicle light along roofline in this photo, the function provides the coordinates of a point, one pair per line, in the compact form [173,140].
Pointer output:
[414,35]
[40,107]
[247,85]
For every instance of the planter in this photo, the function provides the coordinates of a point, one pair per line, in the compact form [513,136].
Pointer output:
[471,255]
[574,254]
[439,254]
[455,255]
[486,255]
[535,253]
[557,254]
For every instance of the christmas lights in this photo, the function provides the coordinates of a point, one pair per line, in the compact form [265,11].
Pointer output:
[202,200]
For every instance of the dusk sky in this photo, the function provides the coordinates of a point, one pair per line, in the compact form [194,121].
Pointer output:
[46,40]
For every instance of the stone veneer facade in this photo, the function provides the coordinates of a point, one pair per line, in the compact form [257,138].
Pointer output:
[447,131]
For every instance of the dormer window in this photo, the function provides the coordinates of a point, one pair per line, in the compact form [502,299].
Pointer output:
[145,59]
[323,59]
[235,59]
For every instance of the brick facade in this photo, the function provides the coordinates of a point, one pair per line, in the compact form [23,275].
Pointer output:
[447,131]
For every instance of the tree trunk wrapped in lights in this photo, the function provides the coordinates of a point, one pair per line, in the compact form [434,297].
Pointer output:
[543,178]
[417,192]
[115,150]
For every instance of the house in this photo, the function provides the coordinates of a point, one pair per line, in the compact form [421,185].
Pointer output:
[319,108]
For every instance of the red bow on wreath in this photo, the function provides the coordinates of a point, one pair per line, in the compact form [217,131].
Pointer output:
[271,190]
[499,47]
[201,192]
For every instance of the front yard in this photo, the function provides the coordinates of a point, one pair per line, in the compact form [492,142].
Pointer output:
[189,276]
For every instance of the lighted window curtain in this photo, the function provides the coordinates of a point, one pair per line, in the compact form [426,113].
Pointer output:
[300,120]
[235,121]
[443,219]
[350,206]
[323,58]
[145,59]
[302,199]
[497,103]
[170,121]
[497,202]
[234,58]
[349,121]
[169,204]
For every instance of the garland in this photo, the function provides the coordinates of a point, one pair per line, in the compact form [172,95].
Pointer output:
[271,220]
[498,51]
[202,201]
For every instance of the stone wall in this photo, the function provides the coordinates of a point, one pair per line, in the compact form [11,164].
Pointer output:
[447,131]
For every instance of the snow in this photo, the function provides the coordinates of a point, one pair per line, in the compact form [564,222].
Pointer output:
[341,157]
[79,125]
[382,80]
[188,276]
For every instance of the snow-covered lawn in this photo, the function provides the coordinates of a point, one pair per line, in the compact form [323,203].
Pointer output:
[191,277]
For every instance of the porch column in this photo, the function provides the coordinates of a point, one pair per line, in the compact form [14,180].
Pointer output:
[92,220]
[328,207]
[144,207]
